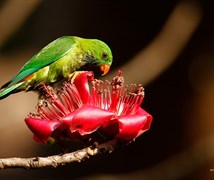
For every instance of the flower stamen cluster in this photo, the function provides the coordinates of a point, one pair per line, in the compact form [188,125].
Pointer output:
[113,109]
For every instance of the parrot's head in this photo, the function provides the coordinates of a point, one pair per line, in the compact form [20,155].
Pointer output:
[98,54]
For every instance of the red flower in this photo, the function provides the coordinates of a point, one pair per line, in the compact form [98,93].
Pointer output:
[75,111]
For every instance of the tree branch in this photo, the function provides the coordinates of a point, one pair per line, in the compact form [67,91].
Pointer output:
[58,160]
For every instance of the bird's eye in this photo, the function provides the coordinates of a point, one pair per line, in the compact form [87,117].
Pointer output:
[104,54]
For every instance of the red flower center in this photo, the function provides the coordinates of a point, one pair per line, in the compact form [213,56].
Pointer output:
[117,97]
[54,105]
[114,97]
[114,108]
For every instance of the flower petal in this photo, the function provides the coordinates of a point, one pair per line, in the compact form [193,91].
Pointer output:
[148,121]
[41,128]
[132,126]
[67,120]
[81,83]
[110,129]
[88,119]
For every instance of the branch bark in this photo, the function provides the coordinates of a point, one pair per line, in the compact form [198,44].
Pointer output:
[58,160]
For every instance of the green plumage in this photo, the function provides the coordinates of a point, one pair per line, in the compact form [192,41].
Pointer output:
[57,61]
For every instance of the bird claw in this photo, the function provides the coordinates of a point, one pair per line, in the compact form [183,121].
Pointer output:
[73,75]
[43,85]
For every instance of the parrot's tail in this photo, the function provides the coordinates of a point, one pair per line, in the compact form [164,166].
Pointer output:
[6,91]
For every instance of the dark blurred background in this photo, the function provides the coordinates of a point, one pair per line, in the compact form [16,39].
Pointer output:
[169,45]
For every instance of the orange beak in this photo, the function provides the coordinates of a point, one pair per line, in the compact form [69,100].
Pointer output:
[105,69]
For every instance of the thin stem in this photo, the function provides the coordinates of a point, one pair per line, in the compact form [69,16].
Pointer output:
[58,160]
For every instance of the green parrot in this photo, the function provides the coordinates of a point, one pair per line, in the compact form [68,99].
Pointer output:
[57,61]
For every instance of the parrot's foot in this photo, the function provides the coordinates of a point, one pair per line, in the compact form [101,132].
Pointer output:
[73,75]
[43,85]
[41,90]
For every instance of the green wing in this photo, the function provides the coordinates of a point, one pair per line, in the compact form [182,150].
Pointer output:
[6,92]
[49,54]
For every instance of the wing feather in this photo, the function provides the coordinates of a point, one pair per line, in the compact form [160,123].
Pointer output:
[49,54]
[6,92]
